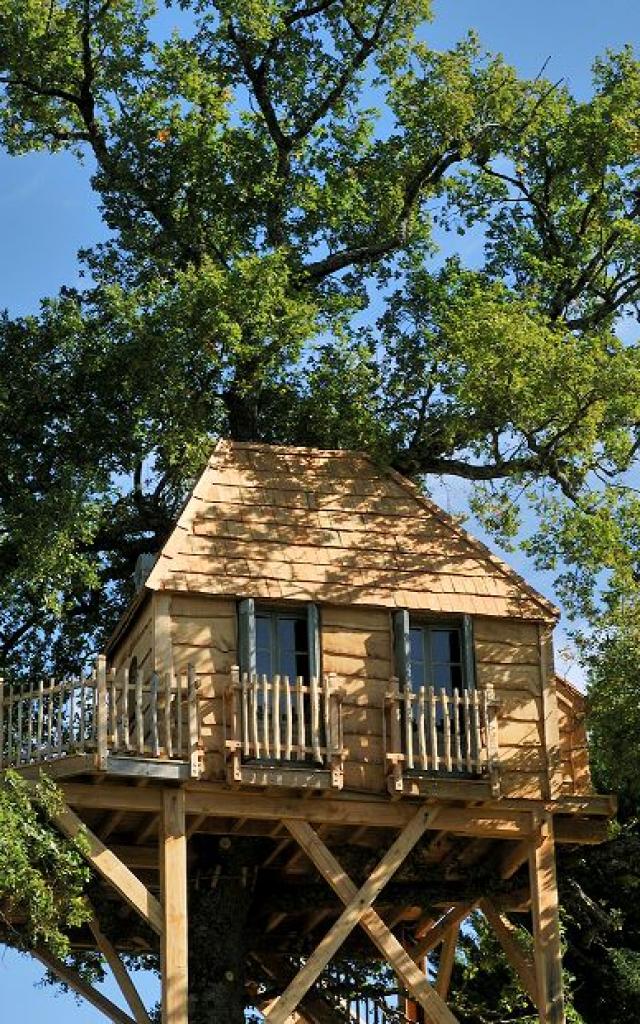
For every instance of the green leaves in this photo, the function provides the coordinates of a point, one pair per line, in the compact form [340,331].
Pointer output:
[42,874]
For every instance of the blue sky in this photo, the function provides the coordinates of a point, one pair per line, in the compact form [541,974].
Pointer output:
[47,211]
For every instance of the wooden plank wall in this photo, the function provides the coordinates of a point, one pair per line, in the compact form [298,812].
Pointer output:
[574,752]
[508,655]
[357,645]
[204,634]
[137,642]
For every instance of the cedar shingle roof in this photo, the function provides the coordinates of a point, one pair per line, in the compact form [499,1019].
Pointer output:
[300,524]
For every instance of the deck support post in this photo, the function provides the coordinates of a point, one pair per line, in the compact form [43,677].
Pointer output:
[173,886]
[546,923]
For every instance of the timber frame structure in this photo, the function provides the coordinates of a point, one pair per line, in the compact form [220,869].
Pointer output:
[322,662]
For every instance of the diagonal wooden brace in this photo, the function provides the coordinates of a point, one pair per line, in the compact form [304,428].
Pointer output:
[411,977]
[82,988]
[506,932]
[113,870]
[441,929]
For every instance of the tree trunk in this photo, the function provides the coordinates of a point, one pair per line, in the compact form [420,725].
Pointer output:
[220,900]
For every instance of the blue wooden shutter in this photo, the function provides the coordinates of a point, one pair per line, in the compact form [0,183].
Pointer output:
[313,634]
[468,652]
[402,647]
[247,635]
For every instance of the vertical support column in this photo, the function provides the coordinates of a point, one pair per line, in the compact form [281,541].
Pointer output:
[173,881]
[546,923]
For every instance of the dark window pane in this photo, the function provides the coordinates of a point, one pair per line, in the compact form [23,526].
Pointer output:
[418,675]
[263,631]
[445,645]
[442,677]
[286,634]
[301,635]
[287,666]
[263,662]
[302,665]
[416,642]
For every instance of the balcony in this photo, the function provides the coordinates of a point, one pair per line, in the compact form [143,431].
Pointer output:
[105,722]
[283,731]
[433,738]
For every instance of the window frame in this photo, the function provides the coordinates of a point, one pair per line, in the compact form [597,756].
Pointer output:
[404,622]
[249,609]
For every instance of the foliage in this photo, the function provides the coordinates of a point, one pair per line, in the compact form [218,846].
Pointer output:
[42,874]
[276,180]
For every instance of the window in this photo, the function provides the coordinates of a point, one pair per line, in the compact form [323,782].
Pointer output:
[279,641]
[438,654]
[286,643]
[282,644]
[436,657]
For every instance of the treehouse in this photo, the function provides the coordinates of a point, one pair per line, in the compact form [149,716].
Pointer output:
[320,659]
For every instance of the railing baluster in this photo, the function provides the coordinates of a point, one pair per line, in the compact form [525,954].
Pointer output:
[126,741]
[10,726]
[422,735]
[194,720]
[408,726]
[265,714]
[30,710]
[179,710]
[59,691]
[435,761]
[315,719]
[447,730]
[19,745]
[302,738]
[254,715]
[477,740]
[153,715]
[331,740]
[277,742]
[289,718]
[168,740]
[467,732]
[245,715]
[40,721]
[113,711]
[456,729]
[139,716]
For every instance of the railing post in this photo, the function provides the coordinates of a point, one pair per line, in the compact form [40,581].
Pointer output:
[238,734]
[194,722]
[333,739]
[394,756]
[101,712]
[492,739]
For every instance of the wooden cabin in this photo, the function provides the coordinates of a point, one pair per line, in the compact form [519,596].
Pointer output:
[322,658]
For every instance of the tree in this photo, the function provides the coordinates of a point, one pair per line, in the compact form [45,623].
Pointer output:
[274,177]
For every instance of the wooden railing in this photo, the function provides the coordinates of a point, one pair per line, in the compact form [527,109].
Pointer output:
[106,713]
[283,721]
[441,733]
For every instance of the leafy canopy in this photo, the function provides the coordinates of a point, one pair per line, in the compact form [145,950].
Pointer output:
[277,180]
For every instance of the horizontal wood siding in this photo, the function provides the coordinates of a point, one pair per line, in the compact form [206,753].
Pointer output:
[357,645]
[574,752]
[137,642]
[508,655]
[204,634]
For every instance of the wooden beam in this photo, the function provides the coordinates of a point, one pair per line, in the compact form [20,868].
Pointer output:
[546,924]
[435,935]
[173,884]
[506,934]
[513,858]
[582,831]
[410,976]
[112,869]
[120,973]
[447,960]
[82,988]
[350,916]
